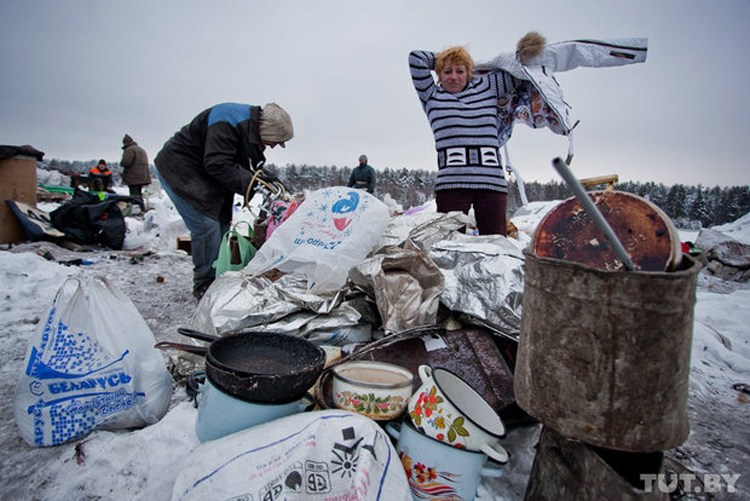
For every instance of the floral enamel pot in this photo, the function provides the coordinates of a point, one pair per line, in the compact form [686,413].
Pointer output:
[436,470]
[448,409]
[377,390]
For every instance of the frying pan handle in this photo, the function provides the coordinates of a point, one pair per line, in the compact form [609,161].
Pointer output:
[593,212]
[379,343]
[197,334]
[168,345]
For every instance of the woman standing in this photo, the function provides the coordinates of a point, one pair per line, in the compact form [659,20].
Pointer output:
[470,119]
[472,111]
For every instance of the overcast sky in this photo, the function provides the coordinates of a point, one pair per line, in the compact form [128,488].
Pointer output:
[77,75]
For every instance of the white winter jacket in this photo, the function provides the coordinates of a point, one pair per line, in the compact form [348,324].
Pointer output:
[556,57]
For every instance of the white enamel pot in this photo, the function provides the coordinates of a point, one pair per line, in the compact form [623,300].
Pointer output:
[377,390]
[448,409]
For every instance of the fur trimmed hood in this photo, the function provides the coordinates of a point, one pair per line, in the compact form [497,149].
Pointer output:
[536,62]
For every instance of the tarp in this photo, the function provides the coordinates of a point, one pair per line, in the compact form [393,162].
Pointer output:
[86,219]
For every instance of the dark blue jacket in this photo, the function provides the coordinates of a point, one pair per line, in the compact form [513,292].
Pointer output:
[363,177]
[210,159]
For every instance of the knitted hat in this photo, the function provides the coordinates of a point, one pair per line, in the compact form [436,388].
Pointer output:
[127,139]
[363,157]
[275,125]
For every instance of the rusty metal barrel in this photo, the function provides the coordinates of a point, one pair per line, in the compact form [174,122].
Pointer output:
[604,356]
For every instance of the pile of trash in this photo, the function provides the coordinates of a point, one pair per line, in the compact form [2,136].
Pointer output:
[327,274]
[346,274]
[725,257]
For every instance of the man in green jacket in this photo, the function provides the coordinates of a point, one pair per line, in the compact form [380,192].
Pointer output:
[135,171]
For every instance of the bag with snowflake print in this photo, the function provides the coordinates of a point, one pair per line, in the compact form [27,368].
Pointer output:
[318,455]
[91,365]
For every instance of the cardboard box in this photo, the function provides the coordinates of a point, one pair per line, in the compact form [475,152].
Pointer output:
[18,183]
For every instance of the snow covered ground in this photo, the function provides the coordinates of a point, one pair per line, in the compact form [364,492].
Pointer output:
[143,464]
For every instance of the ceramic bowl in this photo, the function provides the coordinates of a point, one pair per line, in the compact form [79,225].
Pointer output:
[448,409]
[378,390]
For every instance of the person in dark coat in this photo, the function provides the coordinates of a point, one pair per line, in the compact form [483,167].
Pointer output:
[135,172]
[210,160]
[363,176]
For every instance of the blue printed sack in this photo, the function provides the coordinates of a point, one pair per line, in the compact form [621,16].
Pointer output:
[91,365]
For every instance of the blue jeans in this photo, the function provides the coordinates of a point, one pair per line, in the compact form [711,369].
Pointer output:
[205,236]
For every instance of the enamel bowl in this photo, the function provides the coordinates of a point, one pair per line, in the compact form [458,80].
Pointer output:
[378,390]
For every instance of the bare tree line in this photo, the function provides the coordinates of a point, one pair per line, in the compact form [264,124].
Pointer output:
[691,207]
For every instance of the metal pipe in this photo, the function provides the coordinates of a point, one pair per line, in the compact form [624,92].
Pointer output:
[519,180]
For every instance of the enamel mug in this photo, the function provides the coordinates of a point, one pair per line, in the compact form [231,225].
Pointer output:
[448,409]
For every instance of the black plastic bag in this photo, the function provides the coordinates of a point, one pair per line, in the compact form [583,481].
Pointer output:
[86,219]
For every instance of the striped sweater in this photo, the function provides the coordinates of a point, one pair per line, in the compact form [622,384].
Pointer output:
[466,125]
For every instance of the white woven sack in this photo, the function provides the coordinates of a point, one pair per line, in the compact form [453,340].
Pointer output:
[321,455]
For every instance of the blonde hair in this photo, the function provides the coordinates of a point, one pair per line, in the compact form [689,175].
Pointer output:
[454,55]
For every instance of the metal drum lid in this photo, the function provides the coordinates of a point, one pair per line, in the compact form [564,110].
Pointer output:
[647,233]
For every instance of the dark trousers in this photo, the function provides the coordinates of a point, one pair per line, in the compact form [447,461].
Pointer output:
[489,207]
[136,191]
